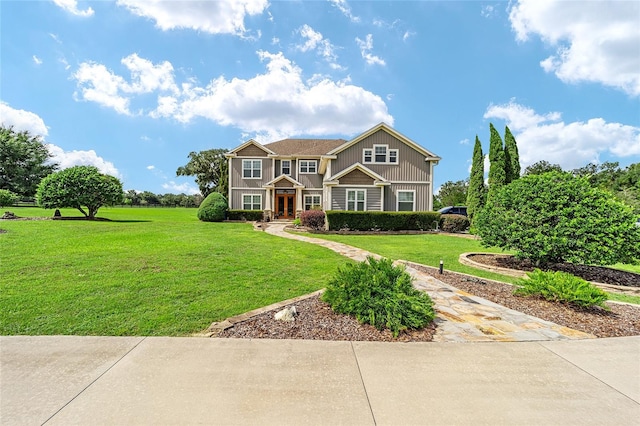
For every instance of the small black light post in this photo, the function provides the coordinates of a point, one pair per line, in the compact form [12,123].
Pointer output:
[441,265]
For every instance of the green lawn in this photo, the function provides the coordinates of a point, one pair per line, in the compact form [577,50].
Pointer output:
[151,271]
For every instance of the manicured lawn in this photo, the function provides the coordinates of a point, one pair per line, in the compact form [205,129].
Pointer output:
[152,271]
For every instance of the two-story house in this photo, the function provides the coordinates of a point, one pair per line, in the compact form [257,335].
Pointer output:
[379,169]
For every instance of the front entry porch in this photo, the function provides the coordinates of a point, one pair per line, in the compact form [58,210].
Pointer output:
[285,204]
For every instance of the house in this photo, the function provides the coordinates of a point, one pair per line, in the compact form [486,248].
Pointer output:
[380,169]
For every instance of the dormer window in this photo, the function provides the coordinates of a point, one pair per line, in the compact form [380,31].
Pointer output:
[308,166]
[380,154]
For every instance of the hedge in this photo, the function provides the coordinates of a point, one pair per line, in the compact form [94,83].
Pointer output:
[382,221]
[247,215]
[454,223]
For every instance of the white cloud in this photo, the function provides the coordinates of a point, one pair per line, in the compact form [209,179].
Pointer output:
[151,167]
[37,60]
[572,145]
[183,188]
[22,120]
[215,17]
[68,159]
[71,6]
[365,50]
[488,11]
[315,41]
[344,7]
[465,141]
[595,41]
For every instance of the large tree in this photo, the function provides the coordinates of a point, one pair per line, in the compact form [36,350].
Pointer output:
[24,161]
[511,157]
[541,167]
[477,193]
[211,170]
[497,177]
[78,187]
[453,193]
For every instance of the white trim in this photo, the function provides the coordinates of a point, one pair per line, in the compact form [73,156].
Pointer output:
[410,182]
[364,169]
[315,162]
[364,156]
[412,191]
[251,203]
[304,202]
[382,198]
[234,152]
[281,167]
[252,169]
[346,199]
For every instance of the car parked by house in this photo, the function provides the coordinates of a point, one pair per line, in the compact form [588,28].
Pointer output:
[461,210]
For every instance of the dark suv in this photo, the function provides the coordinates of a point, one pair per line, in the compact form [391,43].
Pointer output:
[454,210]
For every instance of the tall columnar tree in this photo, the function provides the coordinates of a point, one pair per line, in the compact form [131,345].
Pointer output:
[24,161]
[497,177]
[511,157]
[477,193]
[211,170]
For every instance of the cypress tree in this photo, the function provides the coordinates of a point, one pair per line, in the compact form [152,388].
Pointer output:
[477,193]
[511,157]
[497,177]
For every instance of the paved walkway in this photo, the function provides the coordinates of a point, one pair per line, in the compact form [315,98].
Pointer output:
[461,317]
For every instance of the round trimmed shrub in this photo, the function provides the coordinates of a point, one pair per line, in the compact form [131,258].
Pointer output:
[454,223]
[213,208]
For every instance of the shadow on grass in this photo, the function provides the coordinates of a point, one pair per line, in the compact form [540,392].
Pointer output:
[101,219]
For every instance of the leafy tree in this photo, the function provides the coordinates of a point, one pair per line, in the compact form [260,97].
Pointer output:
[149,198]
[542,167]
[7,198]
[132,197]
[511,157]
[24,161]
[77,187]
[497,177]
[213,208]
[557,217]
[477,194]
[453,193]
[211,170]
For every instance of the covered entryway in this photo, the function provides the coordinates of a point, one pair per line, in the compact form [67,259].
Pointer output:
[285,204]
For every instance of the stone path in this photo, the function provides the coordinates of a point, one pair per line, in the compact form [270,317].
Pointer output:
[461,317]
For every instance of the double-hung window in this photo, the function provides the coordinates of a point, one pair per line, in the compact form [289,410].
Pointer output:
[356,199]
[308,166]
[406,201]
[285,167]
[251,169]
[252,202]
[367,155]
[311,202]
[380,154]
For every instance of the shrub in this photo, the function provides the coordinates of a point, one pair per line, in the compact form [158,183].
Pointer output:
[556,217]
[247,215]
[213,208]
[313,219]
[382,221]
[380,294]
[7,198]
[454,223]
[562,287]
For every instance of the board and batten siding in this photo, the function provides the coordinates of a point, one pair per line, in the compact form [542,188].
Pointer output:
[236,197]
[310,180]
[421,197]
[251,151]
[339,197]
[236,173]
[411,166]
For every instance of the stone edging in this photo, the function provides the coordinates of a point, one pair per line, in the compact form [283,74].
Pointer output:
[464,259]
[217,327]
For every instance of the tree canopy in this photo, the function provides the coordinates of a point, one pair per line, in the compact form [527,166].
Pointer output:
[211,170]
[541,167]
[24,161]
[453,193]
[78,187]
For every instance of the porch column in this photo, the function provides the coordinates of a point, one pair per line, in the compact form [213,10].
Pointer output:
[267,202]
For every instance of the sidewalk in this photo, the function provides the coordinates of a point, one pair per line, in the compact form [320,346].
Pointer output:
[68,380]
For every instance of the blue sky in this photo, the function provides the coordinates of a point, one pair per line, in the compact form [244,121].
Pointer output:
[134,86]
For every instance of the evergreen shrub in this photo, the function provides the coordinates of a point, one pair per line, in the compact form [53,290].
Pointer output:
[376,292]
[313,219]
[382,221]
[454,223]
[213,208]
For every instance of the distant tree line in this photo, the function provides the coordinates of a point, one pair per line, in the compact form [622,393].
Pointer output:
[149,199]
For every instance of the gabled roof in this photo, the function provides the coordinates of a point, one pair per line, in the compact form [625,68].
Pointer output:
[357,166]
[392,132]
[301,147]
[234,151]
[272,183]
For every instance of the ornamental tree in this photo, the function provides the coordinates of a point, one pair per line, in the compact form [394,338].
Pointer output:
[78,187]
[497,177]
[557,217]
[511,157]
[477,194]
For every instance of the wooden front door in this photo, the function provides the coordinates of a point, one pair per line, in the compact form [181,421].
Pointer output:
[285,206]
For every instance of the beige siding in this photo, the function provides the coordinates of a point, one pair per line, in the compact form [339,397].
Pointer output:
[236,197]
[411,164]
[356,177]
[339,197]
[283,183]
[251,151]
[421,196]
[236,174]
[310,180]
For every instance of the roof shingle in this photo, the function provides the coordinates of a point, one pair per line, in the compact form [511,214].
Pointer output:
[297,147]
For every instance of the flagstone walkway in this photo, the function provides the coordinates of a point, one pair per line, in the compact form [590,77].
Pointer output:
[461,317]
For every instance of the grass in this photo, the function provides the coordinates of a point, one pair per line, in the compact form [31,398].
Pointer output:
[151,271]
[624,298]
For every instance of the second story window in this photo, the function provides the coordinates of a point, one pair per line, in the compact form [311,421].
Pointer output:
[252,169]
[285,166]
[380,154]
[308,166]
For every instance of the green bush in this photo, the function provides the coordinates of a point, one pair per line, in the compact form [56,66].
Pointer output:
[562,287]
[7,198]
[313,219]
[454,223]
[213,208]
[382,221]
[380,294]
[247,215]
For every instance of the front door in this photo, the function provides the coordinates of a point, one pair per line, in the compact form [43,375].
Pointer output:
[285,206]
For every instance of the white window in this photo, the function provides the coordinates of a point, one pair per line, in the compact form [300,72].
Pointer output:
[367,155]
[251,202]
[285,167]
[381,153]
[356,199]
[312,202]
[393,156]
[308,166]
[406,201]
[251,169]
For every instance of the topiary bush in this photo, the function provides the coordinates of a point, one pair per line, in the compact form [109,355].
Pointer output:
[562,287]
[213,208]
[313,219]
[454,223]
[380,294]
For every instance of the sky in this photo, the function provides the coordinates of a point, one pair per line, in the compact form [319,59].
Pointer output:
[134,86]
